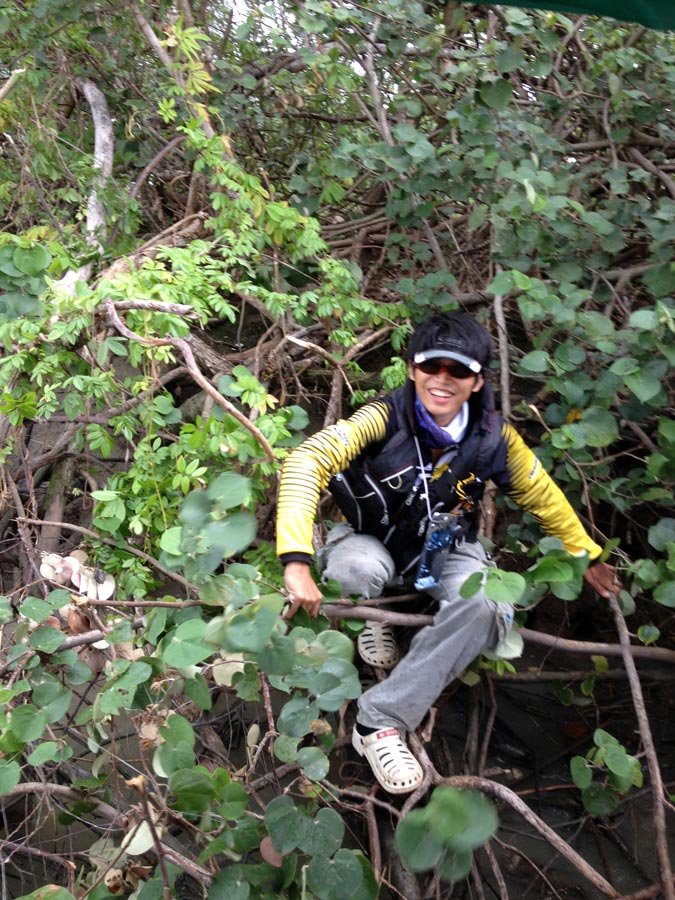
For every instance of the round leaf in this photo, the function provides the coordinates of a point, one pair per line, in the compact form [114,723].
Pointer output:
[336,878]
[455,866]
[600,800]
[31,260]
[27,722]
[286,826]
[229,490]
[661,534]
[419,849]
[482,823]
[314,763]
[325,833]
[496,94]
[537,361]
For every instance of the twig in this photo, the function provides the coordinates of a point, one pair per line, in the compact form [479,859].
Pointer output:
[184,347]
[308,345]
[503,343]
[360,611]
[134,551]
[506,795]
[650,752]
[9,84]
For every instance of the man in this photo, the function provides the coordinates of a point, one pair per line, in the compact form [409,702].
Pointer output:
[407,471]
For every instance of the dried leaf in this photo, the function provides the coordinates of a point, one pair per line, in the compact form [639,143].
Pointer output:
[226,668]
[114,881]
[78,623]
[269,854]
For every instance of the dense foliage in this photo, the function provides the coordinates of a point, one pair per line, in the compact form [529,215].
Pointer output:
[218,226]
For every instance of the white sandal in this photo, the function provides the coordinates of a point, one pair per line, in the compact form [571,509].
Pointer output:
[377,645]
[392,763]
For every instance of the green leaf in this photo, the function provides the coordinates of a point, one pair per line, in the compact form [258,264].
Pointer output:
[171,539]
[286,826]
[10,775]
[27,722]
[481,823]
[446,813]
[314,763]
[600,800]
[229,490]
[645,386]
[248,629]
[297,715]
[49,751]
[336,878]
[336,644]
[187,646]
[197,689]
[537,361]
[325,834]
[501,283]
[648,634]
[661,534]
[644,319]
[496,94]
[598,428]
[169,758]
[36,610]
[193,789]
[53,699]
[286,747]
[417,846]
[549,569]
[618,762]
[46,639]
[455,866]
[604,739]
[233,801]
[194,512]
[504,587]
[665,594]
[230,884]
[177,730]
[31,260]
[232,534]
[582,774]
[472,585]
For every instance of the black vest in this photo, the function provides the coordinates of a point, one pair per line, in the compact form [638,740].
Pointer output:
[382,492]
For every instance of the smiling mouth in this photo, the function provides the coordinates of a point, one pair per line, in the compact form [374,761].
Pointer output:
[440,395]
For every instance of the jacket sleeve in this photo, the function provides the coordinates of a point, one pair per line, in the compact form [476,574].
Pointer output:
[308,469]
[526,482]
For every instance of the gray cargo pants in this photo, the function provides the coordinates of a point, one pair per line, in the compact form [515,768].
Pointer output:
[438,653]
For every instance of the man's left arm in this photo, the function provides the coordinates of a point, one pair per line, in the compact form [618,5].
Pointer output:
[532,488]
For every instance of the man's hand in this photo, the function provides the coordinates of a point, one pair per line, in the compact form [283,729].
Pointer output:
[301,589]
[603,578]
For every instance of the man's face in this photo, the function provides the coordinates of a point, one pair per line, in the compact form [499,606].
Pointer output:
[443,394]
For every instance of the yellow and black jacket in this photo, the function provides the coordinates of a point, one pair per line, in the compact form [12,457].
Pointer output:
[371,463]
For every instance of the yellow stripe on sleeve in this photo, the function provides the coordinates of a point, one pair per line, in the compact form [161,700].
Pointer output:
[533,489]
[308,469]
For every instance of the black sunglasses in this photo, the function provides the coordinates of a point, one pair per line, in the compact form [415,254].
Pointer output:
[453,369]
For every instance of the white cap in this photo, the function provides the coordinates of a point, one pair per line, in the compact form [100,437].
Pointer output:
[425,355]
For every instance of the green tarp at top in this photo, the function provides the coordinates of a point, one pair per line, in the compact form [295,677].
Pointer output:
[652,13]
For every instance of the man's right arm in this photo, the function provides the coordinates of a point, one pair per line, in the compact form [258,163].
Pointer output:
[306,472]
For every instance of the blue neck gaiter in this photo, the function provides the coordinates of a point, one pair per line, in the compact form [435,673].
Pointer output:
[432,433]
